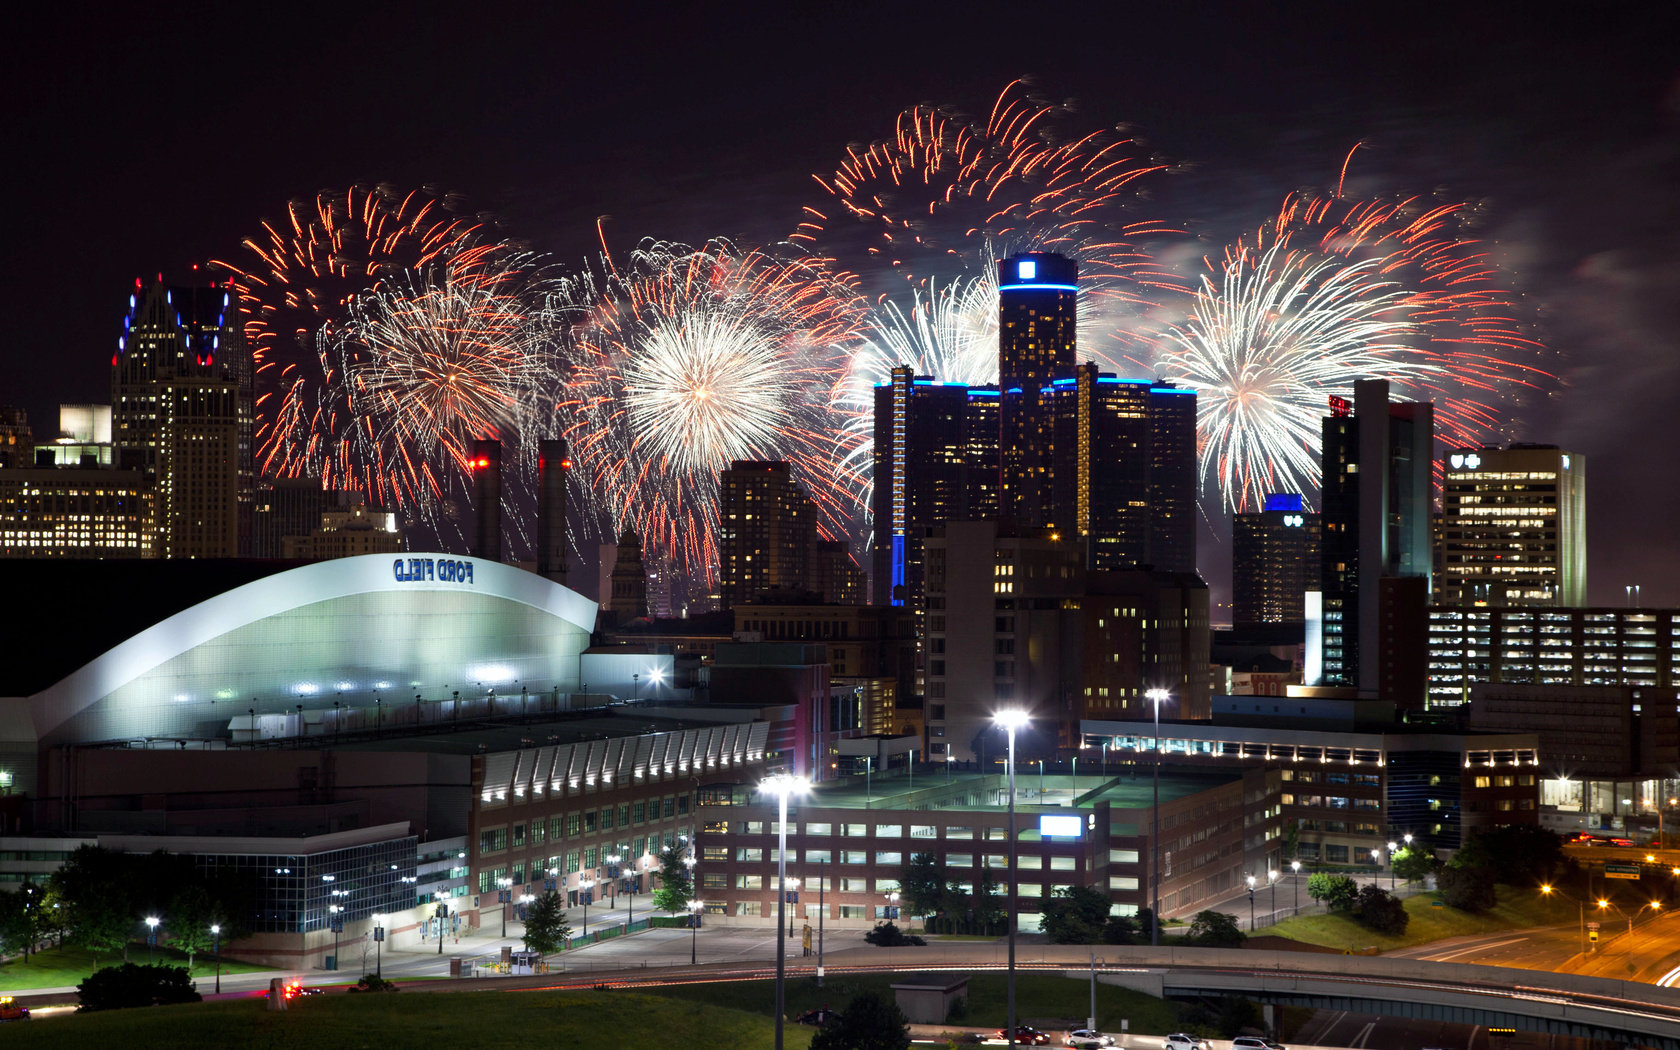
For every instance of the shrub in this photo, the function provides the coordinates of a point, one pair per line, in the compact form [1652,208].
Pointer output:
[1215,929]
[1467,889]
[870,1021]
[888,935]
[120,987]
[1337,891]
[374,983]
[1380,910]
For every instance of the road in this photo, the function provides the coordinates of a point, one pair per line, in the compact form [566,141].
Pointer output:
[1649,954]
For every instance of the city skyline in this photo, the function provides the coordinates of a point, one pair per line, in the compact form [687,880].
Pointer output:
[1519,198]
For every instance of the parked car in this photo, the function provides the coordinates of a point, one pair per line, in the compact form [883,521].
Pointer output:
[1086,1039]
[1254,1042]
[1024,1036]
[1183,1041]
[817,1018]
[11,1011]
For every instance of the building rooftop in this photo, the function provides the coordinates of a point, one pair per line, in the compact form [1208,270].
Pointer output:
[482,738]
[985,792]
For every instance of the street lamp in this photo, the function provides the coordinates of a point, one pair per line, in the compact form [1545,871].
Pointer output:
[782,785]
[151,936]
[1580,913]
[378,947]
[1157,696]
[216,950]
[586,888]
[442,914]
[949,758]
[503,896]
[1271,879]
[1295,866]
[694,930]
[337,924]
[1011,720]
[1250,880]
[1392,846]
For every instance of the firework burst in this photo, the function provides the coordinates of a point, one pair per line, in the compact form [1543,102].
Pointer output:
[689,358]
[299,278]
[945,196]
[1329,292]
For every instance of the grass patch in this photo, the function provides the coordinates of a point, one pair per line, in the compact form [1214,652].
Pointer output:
[65,967]
[1517,909]
[1036,995]
[483,1020]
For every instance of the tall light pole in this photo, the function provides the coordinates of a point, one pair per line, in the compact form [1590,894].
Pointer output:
[378,947]
[1250,880]
[1580,913]
[1156,696]
[151,936]
[782,785]
[216,950]
[694,930]
[586,890]
[1011,720]
[1295,866]
[505,894]
[1271,879]
[1392,846]
[792,888]
[822,911]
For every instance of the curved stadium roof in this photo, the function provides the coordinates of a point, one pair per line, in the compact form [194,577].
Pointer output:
[345,630]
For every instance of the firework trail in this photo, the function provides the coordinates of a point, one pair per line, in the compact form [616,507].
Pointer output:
[1328,292]
[688,358]
[424,364]
[945,196]
[299,278]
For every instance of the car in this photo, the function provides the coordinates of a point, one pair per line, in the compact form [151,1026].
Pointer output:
[1254,1042]
[1183,1041]
[818,1018]
[11,1011]
[1086,1039]
[1024,1036]
[296,989]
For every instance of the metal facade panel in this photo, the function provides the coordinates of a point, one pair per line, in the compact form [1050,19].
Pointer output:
[498,776]
[541,770]
[522,773]
[644,756]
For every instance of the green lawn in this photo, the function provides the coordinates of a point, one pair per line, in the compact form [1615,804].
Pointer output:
[65,967]
[1517,909]
[483,1020]
[1036,995]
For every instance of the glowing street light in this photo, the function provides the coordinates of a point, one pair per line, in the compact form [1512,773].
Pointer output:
[1011,720]
[151,936]
[1157,696]
[1295,866]
[782,785]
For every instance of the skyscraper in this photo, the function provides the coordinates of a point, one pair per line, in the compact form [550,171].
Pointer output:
[17,440]
[182,412]
[1037,315]
[766,531]
[1275,559]
[935,461]
[1172,478]
[1376,520]
[1513,527]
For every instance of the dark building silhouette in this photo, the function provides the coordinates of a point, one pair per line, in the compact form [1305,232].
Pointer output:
[1037,316]
[629,582]
[1274,560]
[554,464]
[935,461]
[1172,478]
[487,499]
[1376,519]
[182,411]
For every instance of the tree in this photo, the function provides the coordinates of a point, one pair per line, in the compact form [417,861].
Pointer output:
[988,902]
[922,884]
[1522,854]
[1467,888]
[1075,915]
[1216,929]
[546,930]
[191,914]
[1380,910]
[96,893]
[676,886]
[19,920]
[870,1021]
[1336,891]
[1413,863]
[119,987]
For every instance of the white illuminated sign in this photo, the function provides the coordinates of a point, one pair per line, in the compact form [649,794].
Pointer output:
[1296,520]
[1060,827]
[1027,270]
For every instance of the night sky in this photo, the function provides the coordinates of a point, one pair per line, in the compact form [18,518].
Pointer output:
[146,140]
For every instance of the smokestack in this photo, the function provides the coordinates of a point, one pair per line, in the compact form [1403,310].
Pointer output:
[554,463]
[487,499]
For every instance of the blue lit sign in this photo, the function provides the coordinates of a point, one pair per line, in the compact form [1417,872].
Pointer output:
[1283,501]
[427,570]
[1027,270]
[1061,827]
